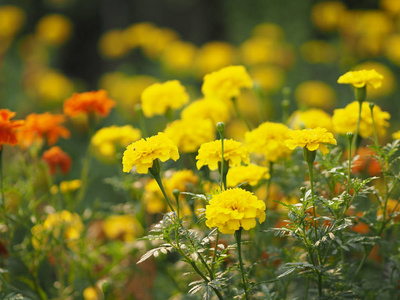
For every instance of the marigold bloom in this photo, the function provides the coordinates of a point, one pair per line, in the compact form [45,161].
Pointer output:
[55,157]
[108,140]
[212,109]
[52,86]
[91,293]
[312,139]
[64,223]
[159,97]
[178,57]
[54,29]
[226,83]
[213,56]
[124,227]
[366,162]
[250,174]
[112,44]
[70,186]
[345,119]
[188,135]
[396,135]
[233,209]
[327,16]
[311,118]
[269,139]
[8,134]
[270,78]
[39,127]
[211,153]
[143,152]
[361,78]
[11,20]
[88,102]
[315,94]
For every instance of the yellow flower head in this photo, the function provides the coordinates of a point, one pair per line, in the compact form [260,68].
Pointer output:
[396,135]
[327,16]
[213,56]
[91,293]
[211,153]
[178,57]
[54,29]
[269,139]
[112,44]
[124,227]
[64,224]
[212,109]
[189,134]
[11,20]
[345,119]
[226,83]
[70,186]
[182,180]
[311,118]
[52,86]
[251,174]
[312,139]
[361,78]
[233,209]
[269,77]
[107,141]
[143,152]
[315,94]
[159,97]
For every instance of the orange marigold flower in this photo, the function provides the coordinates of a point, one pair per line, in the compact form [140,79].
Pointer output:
[55,157]
[8,128]
[89,102]
[42,126]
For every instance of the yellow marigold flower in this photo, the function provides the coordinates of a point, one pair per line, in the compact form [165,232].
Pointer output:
[269,139]
[143,152]
[157,41]
[178,57]
[312,139]
[207,108]
[211,153]
[70,186]
[396,135]
[233,209]
[66,223]
[112,44]
[361,78]
[269,30]
[213,56]
[327,16]
[317,51]
[250,174]
[315,94]
[52,86]
[153,198]
[54,29]
[259,50]
[124,227]
[138,34]
[226,83]
[11,20]
[182,180]
[91,293]
[159,97]
[390,6]
[109,140]
[311,118]
[345,119]
[270,78]
[189,134]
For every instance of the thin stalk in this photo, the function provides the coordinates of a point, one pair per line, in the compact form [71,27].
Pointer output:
[371,106]
[269,181]
[239,114]
[160,184]
[357,127]
[238,236]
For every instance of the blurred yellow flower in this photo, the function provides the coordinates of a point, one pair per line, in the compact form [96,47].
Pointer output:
[178,57]
[157,41]
[269,77]
[345,119]
[207,108]
[250,174]
[269,30]
[361,78]
[143,152]
[269,139]
[234,209]
[211,153]
[159,97]
[112,44]
[327,16]
[226,83]
[311,118]
[54,29]
[315,94]
[91,293]
[60,225]
[52,86]
[391,47]
[108,141]
[153,198]
[137,35]
[312,139]
[124,227]
[396,135]
[11,20]
[388,85]
[259,50]
[189,134]
[318,51]
[70,186]
[390,6]
[182,180]
[213,56]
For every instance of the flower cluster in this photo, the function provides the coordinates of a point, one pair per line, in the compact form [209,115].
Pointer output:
[312,139]
[55,157]
[8,128]
[250,174]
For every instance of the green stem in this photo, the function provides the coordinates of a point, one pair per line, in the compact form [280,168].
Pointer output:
[238,236]
[269,181]
[371,106]
[239,114]
[160,184]
[355,137]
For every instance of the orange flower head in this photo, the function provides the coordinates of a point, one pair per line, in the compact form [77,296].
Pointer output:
[89,102]
[39,127]
[55,157]
[8,133]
